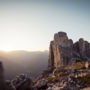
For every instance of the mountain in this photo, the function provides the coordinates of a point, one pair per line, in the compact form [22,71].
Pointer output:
[64,52]
[68,67]
[17,62]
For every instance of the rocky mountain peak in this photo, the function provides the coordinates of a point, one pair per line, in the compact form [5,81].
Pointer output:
[60,35]
[61,39]
[63,51]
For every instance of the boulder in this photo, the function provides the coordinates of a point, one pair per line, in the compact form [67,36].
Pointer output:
[41,84]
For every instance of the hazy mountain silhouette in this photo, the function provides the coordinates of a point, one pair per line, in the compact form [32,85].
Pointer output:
[17,62]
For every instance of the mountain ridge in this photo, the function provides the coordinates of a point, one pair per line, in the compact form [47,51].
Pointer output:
[68,68]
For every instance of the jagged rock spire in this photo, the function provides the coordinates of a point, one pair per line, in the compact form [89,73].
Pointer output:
[62,51]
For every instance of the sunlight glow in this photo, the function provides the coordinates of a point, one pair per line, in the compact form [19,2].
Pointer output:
[30,24]
[7,49]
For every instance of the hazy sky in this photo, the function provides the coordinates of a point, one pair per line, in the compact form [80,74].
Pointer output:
[31,24]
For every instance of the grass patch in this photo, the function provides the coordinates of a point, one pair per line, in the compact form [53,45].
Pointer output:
[85,79]
[56,78]
[79,65]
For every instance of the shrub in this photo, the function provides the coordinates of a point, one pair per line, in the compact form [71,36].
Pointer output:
[85,79]
[79,65]
[56,78]
[50,79]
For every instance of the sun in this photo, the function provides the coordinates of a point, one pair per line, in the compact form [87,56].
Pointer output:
[7,49]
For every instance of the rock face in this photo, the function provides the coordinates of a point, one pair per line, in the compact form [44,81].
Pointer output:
[2,82]
[64,52]
[82,48]
[21,82]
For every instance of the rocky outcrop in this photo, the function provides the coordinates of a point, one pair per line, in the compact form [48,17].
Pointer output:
[83,49]
[64,79]
[41,85]
[21,82]
[63,51]
[2,81]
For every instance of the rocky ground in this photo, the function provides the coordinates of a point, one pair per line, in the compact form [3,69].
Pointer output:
[56,79]
[22,82]
[64,79]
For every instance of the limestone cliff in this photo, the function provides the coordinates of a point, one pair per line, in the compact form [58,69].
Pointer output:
[63,51]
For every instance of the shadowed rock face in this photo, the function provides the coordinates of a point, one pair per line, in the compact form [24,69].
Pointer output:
[62,51]
[83,48]
[2,82]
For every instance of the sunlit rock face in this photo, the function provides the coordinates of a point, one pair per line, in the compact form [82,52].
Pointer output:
[62,51]
[2,82]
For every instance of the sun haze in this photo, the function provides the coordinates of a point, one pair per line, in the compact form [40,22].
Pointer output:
[30,24]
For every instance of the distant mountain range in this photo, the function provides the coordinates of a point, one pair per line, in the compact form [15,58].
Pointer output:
[17,62]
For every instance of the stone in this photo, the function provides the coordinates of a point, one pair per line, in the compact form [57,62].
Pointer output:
[10,85]
[63,51]
[41,84]
[24,82]
[87,65]
[21,82]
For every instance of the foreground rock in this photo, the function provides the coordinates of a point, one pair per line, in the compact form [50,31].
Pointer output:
[64,52]
[66,79]
[2,81]
[22,82]
[41,85]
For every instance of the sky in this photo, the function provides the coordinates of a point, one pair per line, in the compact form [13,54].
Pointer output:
[31,24]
